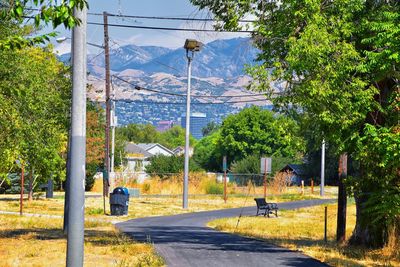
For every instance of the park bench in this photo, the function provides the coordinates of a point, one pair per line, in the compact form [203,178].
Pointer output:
[268,208]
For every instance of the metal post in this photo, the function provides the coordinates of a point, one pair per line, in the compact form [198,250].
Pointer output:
[75,238]
[342,200]
[225,186]
[224,168]
[326,224]
[108,107]
[265,177]
[21,199]
[322,185]
[187,132]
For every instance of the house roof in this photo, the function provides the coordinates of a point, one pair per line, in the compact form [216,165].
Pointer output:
[149,146]
[178,149]
[132,148]
[296,168]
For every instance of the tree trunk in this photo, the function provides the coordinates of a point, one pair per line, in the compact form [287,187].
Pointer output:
[30,190]
[342,201]
[366,233]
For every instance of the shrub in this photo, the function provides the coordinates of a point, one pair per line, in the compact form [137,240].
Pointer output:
[214,188]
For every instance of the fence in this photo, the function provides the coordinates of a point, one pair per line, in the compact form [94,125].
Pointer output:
[204,183]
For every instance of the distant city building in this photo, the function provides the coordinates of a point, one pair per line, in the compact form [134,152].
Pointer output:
[162,126]
[197,122]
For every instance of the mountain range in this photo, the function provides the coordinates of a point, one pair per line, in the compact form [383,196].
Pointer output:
[218,69]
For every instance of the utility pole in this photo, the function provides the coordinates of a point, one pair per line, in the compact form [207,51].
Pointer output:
[106,173]
[113,125]
[342,200]
[322,185]
[75,237]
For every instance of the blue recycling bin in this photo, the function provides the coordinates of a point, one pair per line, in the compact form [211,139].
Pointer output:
[119,201]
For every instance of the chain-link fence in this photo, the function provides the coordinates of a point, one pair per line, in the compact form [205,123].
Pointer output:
[205,183]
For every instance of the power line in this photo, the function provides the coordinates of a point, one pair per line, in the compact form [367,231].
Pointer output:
[184,103]
[146,89]
[183,95]
[165,28]
[163,18]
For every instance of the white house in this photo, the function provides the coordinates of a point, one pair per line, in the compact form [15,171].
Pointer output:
[138,155]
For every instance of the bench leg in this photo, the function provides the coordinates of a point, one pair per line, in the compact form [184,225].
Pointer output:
[276,213]
[257,211]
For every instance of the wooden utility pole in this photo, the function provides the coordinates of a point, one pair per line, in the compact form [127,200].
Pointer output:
[342,200]
[108,117]
[312,186]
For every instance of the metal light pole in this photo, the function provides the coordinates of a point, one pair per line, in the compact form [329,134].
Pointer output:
[191,46]
[322,185]
[67,196]
[77,166]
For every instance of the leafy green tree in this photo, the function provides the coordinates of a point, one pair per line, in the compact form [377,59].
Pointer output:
[163,165]
[138,133]
[95,138]
[251,132]
[210,128]
[175,137]
[207,154]
[40,106]
[48,12]
[252,164]
[254,131]
[340,63]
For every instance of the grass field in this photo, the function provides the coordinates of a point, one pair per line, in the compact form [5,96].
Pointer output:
[32,241]
[303,230]
[40,241]
[145,205]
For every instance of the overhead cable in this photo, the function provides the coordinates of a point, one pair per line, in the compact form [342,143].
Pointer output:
[163,18]
[184,95]
[165,28]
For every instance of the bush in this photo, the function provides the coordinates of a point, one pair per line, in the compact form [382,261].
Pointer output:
[91,170]
[214,188]
[163,165]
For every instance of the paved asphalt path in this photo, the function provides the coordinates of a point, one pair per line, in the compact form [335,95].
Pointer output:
[184,240]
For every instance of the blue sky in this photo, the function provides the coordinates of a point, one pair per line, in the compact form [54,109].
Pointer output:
[122,36]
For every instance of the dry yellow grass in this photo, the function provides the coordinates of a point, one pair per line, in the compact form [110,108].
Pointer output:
[147,205]
[303,230]
[40,241]
[200,183]
[32,241]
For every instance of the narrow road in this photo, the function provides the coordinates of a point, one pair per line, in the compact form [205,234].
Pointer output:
[185,240]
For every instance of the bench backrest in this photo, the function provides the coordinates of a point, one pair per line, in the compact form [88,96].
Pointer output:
[260,202]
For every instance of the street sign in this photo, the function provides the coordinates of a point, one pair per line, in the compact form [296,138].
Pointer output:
[224,167]
[266,164]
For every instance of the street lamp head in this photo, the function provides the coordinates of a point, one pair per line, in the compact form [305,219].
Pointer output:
[62,39]
[192,45]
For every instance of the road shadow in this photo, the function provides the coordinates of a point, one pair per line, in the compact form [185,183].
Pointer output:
[199,238]
[95,237]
